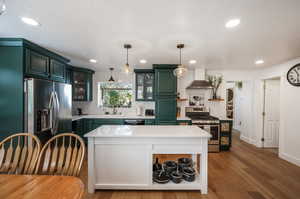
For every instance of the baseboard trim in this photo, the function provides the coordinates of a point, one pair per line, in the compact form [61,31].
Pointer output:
[290,159]
[248,140]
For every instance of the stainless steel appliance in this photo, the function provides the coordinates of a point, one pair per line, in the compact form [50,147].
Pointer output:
[202,119]
[134,122]
[48,108]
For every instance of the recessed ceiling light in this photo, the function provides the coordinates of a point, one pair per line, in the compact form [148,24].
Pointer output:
[93,60]
[30,21]
[260,61]
[232,23]
[143,61]
[192,61]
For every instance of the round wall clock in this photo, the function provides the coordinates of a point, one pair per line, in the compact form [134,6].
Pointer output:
[293,75]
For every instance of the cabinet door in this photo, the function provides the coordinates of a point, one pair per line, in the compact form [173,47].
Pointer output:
[57,70]
[165,82]
[140,81]
[36,64]
[68,77]
[166,109]
[82,86]
[149,86]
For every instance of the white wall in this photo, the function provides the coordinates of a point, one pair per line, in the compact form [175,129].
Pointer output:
[289,133]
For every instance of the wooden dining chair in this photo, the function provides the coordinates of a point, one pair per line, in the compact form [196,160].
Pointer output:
[62,155]
[19,154]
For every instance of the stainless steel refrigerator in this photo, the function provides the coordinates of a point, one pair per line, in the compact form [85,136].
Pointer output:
[48,108]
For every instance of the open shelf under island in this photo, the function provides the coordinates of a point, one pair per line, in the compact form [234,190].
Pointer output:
[121,157]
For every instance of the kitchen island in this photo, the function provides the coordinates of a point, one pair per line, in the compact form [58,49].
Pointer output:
[121,156]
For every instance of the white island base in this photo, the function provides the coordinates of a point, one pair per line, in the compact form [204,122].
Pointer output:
[121,157]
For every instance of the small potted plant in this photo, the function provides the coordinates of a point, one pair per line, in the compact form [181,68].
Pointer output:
[215,81]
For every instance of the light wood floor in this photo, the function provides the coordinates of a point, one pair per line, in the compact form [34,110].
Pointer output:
[243,173]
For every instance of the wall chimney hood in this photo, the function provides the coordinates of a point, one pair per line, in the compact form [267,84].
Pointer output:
[199,81]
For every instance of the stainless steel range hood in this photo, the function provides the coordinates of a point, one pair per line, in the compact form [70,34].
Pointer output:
[199,81]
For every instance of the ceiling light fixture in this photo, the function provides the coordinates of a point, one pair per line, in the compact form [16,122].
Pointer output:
[192,61]
[111,79]
[30,21]
[260,61]
[232,23]
[143,61]
[93,60]
[2,7]
[126,67]
[180,70]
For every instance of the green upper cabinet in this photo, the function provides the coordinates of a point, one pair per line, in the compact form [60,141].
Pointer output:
[144,85]
[42,63]
[57,70]
[82,81]
[165,81]
[36,64]
[69,74]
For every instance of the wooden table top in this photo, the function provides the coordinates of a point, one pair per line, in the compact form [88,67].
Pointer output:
[40,187]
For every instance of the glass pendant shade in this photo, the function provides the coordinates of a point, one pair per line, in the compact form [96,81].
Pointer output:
[127,69]
[180,71]
[2,7]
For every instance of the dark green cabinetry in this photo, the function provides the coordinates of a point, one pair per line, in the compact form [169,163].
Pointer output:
[150,122]
[225,134]
[69,74]
[82,81]
[166,110]
[184,122]
[165,94]
[144,85]
[165,82]
[36,64]
[20,58]
[57,70]
[11,90]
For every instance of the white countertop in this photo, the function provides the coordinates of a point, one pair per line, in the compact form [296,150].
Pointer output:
[78,117]
[153,131]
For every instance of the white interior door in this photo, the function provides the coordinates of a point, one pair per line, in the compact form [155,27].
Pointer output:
[271,121]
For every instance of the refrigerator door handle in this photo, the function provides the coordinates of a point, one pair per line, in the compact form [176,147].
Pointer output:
[57,111]
[51,106]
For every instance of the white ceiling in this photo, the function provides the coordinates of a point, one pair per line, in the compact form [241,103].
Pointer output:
[84,29]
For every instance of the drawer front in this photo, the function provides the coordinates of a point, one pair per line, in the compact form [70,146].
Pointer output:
[177,148]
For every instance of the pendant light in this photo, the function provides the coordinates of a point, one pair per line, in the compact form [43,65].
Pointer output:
[111,79]
[2,7]
[126,67]
[180,70]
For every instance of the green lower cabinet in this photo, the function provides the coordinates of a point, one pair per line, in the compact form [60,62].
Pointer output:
[78,128]
[165,108]
[184,122]
[159,122]
[150,122]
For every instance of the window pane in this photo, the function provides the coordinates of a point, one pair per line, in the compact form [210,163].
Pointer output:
[114,94]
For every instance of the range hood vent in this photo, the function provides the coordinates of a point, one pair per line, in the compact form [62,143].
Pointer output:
[199,81]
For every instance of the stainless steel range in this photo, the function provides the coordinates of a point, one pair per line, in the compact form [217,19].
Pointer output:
[201,117]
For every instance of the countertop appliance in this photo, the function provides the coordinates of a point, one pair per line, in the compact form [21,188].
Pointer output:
[149,112]
[211,124]
[134,122]
[48,108]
